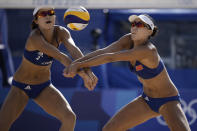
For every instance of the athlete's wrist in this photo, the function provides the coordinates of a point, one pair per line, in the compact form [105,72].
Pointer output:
[81,72]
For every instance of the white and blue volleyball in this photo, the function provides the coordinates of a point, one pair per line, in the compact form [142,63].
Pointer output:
[76,18]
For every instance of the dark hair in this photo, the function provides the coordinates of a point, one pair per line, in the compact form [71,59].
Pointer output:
[155,30]
[33,24]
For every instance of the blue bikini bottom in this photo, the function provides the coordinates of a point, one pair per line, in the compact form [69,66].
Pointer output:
[156,103]
[31,90]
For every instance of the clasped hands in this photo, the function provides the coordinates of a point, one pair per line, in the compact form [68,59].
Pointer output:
[89,78]
[71,70]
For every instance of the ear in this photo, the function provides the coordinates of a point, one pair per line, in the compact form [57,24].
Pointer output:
[36,21]
[150,32]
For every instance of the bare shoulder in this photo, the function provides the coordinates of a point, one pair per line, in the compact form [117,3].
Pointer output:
[126,37]
[126,41]
[145,52]
[148,48]
[151,48]
[62,32]
[34,34]
[32,39]
[151,56]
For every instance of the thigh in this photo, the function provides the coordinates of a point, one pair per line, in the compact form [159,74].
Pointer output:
[53,102]
[174,116]
[13,105]
[134,113]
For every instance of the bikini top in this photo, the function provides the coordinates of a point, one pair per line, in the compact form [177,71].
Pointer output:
[39,58]
[146,72]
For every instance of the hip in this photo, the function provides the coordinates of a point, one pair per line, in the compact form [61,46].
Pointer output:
[161,91]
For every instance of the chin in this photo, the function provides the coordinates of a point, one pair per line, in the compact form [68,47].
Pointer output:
[133,37]
[48,27]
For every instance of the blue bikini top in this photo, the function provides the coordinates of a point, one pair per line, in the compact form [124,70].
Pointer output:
[145,72]
[39,58]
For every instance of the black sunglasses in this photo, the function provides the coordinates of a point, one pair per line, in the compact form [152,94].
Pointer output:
[139,25]
[45,13]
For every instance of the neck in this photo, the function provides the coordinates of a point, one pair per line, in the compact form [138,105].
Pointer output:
[47,32]
[139,42]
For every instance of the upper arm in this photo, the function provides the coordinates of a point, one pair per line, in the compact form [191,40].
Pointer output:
[138,53]
[69,44]
[65,37]
[37,42]
[123,43]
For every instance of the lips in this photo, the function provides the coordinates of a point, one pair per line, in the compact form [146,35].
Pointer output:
[48,22]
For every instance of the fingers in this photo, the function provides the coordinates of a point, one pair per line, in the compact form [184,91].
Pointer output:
[88,83]
[91,86]
[68,73]
[88,86]
[93,78]
[65,71]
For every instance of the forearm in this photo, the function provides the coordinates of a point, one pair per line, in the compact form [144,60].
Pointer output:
[90,55]
[64,59]
[75,53]
[97,60]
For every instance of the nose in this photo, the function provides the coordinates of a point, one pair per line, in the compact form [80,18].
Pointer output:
[133,29]
[47,16]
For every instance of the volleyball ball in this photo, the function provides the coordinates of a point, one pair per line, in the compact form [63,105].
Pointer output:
[76,18]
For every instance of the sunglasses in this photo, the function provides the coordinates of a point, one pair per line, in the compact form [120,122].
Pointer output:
[139,25]
[45,13]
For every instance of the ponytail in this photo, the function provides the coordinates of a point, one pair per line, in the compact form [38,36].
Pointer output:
[155,30]
[33,24]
